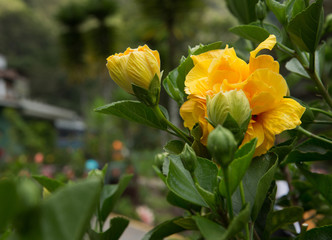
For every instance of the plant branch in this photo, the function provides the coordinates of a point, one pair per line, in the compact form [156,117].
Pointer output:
[311,135]
[327,113]
[176,130]
[228,194]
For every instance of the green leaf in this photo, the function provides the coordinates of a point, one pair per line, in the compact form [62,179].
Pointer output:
[206,173]
[243,10]
[180,182]
[278,9]
[174,146]
[283,218]
[50,184]
[209,229]
[238,167]
[174,82]
[133,111]
[186,222]
[175,200]
[239,222]
[306,27]
[114,232]
[295,66]
[8,201]
[65,214]
[110,195]
[256,183]
[298,157]
[294,7]
[321,182]
[163,230]
[321,233]
[271,29]
[251,32]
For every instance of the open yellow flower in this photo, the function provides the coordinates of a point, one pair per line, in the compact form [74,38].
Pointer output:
[221,71]
[134,66]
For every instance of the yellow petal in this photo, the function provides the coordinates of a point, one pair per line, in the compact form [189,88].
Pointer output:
[263,61]
[192,110]
[197,79]
[207,56]
[117,67]
[285,116]
[266,44]
[264,89]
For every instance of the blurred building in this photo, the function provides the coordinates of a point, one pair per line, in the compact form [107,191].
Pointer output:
[14,94]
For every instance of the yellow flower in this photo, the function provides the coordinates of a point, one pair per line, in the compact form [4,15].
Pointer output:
[134,66]
[221,71]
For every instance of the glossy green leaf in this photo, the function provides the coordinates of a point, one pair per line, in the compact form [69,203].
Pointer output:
[206,173]
[295,66]
[61,215]
[321,182]
[50,184]
[117,226]
[8,201]
[266,210]
[262,188]
[180,182]
[110,195]
[209,229]
[177,201]
[294,7]
[174,146]
[298,157]
[306,27]
[243,10]
[238,167]
[251,32]
[278,9]
[320,233]
[238,223]
[174,82]
[256,183]
[212,230]
[163,230]
[186,222]
[133,111]
[283,217]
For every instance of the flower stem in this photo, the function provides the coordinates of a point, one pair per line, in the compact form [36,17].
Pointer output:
[327,113]
[243,200]
[311,135]
[176,130]
[228,194]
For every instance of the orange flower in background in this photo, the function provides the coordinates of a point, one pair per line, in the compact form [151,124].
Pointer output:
[221,71]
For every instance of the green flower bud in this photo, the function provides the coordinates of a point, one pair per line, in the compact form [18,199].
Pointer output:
[260,9]
[232,102]
[159,159]
[222,145]
[188,158]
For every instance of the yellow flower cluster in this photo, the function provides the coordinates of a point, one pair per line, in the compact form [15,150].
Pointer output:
[222,71]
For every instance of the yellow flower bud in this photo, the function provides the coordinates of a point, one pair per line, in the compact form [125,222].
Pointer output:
[233,102]
[134,66]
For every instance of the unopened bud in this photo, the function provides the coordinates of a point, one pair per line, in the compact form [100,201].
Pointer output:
[159,159]
[188,158]
[233,102]
[222,145]
[260,9]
